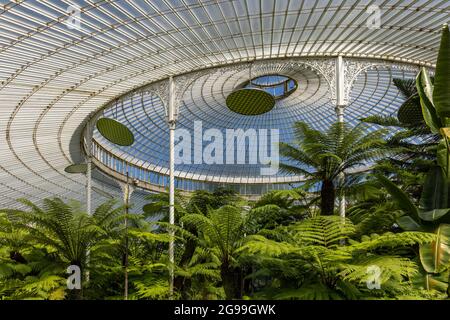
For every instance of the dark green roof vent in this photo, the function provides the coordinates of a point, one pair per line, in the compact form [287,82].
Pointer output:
[250,101]
[115,132]
[76,168]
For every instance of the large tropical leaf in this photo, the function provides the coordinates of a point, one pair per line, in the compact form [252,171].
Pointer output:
[400,197]
[443,156]
[434,200]
[408,224]
[435,257]
[441,92]
[433,215]
[435,190]
[436,282]
[425,89]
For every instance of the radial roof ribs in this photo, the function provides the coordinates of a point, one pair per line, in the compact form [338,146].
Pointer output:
[54,75]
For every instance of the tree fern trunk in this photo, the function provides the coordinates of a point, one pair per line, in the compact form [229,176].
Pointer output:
[181,283]
[328,197]
[231,281]
[17,257]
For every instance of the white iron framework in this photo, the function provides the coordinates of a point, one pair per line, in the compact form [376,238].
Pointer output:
[54,75]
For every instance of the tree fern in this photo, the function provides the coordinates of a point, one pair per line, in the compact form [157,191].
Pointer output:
[257,244]
[322,156]
[316,245]
[324,231]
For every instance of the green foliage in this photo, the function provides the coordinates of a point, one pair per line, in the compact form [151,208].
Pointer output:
[441,92]
[385,121]
[327,269]
[322,156]
[435,257]
[412,140]
[433,203]
[374,214]
[201,200]
[153,288]
[296,257]
[425,90]
[222,228]
[158,206]
[410,112]
[401,197]
[38,244]
[277,208]
[435,98]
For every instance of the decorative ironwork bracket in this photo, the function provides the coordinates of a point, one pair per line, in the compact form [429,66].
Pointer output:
[325,67]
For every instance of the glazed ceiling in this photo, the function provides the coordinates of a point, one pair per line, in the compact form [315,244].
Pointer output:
[203,102]
[52,76]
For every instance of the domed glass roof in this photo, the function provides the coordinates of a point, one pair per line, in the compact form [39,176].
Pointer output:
[277,85]
[61,61]
[203,107]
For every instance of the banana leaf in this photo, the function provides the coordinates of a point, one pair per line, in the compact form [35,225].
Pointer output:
[436,282]
[441,92]
[402,199]
[425,89]
[408,224]
[433,215]
[435,257]
[435,191]
[443,155]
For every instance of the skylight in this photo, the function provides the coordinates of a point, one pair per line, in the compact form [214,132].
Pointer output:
[277,85]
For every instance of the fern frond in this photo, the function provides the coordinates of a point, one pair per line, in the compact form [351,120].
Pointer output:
[392,240]
[325,230]
[257,244]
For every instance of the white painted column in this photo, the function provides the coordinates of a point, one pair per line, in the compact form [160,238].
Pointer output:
[127,190]
[341,103]
[171,118]
[90,128]
[340,82]
[89,134]
[340,113]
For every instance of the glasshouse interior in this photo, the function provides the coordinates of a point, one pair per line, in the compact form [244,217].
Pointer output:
[214,149]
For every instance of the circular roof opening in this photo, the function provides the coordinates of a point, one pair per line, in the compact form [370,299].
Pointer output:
[257,96]
[278,86]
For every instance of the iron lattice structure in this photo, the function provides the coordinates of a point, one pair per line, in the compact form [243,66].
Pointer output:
[54,74]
